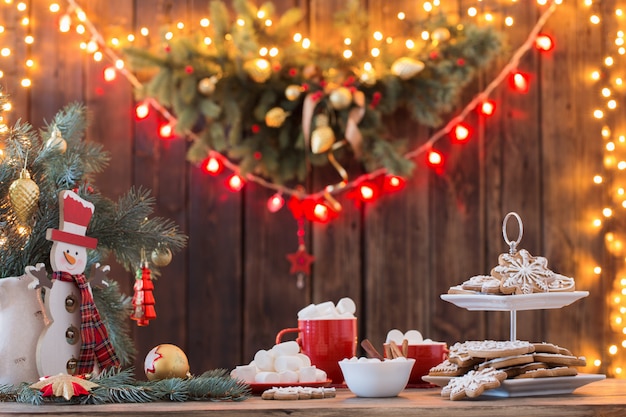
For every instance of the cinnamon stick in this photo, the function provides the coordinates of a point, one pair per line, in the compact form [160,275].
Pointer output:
[370,350]
[395,350]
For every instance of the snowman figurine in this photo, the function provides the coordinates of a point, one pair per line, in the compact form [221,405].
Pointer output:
[75,341]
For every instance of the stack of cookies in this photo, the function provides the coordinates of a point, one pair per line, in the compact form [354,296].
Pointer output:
[477,366]
[516,273]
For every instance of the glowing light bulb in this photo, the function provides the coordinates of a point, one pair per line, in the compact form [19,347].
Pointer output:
[544,43]
[320,211]
[235,182]
[275,203]
[461,132]
[166,131]
[612,349]
[393,183]
[519,82]
[110,74]
[142,110]
[435,159]
[487,108]
[212,166]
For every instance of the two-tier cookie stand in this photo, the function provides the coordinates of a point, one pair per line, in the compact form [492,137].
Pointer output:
[514,303]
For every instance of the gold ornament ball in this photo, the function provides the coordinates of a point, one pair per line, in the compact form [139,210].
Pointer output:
[161,256]
[440,35]
[275,117]
[166,361]
[258,69]
[206,86]
[406,68]
[340,98]
[292,92]
[24,196]
[322,139]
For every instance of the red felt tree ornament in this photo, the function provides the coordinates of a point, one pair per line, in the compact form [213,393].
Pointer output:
[143,299]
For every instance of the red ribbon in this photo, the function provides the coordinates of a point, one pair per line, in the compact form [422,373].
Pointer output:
[95,343]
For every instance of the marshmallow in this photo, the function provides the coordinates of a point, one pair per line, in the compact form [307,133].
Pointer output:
[414,337]
[306,361]
[320,375]
[287,363]
[395,335]
[246,373]
[288,377]
[267,378]
[346,306]
[264,360]
[308,374]
[286,348]
[308,312]
[326,309]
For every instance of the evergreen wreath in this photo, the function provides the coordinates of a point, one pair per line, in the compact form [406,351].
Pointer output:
[276,114]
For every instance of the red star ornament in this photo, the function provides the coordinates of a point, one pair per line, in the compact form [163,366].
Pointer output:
[300,261]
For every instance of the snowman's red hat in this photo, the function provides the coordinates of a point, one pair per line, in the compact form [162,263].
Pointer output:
[74,216]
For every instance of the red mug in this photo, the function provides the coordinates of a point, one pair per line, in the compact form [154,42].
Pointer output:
[426,355]
[326,342]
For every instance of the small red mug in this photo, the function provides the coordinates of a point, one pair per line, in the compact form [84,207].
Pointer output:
[426,356]
[326,342]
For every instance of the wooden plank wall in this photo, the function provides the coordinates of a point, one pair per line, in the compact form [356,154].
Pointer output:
[229,292]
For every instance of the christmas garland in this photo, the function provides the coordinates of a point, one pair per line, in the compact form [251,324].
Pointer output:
[277,112]
[119,386]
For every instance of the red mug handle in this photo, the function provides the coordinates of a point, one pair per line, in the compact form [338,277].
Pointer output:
[283,332]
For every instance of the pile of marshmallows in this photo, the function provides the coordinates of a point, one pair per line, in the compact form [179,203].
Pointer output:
[344,309]
[282,364]
[414,337]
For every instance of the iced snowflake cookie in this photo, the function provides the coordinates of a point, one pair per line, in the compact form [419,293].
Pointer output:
[298,393]
[521,273]
[549,372]
[473,384]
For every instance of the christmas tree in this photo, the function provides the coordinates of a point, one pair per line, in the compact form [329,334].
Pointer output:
[34,167]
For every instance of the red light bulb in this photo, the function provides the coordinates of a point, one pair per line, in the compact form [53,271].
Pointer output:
[275,203]
[519,82]
[368,192]
[393,183]
[320,211]
[487,108]
[461,132]
[435,159]
[166,131]
[142,110]
[212,166]
[544,43]
[235,182]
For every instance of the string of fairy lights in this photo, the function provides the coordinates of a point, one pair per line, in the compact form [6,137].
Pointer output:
[72,17]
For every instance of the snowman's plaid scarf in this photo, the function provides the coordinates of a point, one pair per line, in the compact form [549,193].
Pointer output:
[95,343]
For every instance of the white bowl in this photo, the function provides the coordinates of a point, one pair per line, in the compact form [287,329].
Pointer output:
[374,378]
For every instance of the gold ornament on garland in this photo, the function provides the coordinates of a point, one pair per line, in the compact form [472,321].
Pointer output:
[56,141]
[24,196]
[406,68]
[161,256]
[323,137]
[275,117]
[258,69]
[340,98]
[292,92]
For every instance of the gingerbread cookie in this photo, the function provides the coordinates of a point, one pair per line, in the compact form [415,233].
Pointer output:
[514,371]
[483,284]
[447,368]
[556,359]
[298,393]
[496,349]
[459,354]
[507,361]
[473,384]
[548,373]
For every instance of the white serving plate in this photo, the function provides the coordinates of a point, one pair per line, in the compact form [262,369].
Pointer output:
[527,387]
[536,301]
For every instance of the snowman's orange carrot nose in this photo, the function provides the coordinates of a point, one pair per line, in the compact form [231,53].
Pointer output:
[69,258]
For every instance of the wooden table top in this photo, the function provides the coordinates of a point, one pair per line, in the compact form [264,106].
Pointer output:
[606,398]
